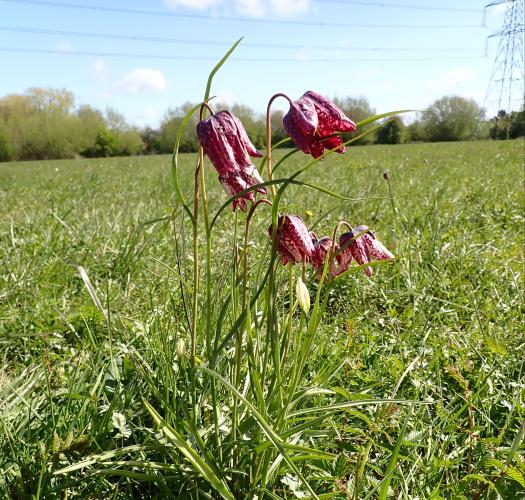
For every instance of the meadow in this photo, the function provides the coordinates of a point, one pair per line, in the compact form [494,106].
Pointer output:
[412,385]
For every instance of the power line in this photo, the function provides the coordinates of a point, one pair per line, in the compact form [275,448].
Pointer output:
[399,5]
[142,12]
[140,38]
[22,50]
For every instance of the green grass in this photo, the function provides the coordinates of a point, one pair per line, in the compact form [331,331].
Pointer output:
[442,325]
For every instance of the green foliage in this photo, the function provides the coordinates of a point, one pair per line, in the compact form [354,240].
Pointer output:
[104,145]
[170,125]
[6,149]
[151,140]
[452,118]
[358,109]
[43,123]
[393,132]
[506,126]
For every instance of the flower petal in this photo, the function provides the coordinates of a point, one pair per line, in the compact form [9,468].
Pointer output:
[250,148]
[295,243]
[234,184]
[216,146]
[331,118]
[252,177]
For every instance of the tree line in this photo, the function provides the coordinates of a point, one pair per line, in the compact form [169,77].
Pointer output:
[47,124]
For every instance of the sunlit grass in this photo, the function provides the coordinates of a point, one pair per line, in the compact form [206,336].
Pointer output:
[442,324]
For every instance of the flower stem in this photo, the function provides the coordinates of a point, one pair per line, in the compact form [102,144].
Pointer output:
[269,138]
[209,286]
[195,301]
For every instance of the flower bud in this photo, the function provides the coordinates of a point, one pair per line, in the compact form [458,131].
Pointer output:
[181,348]
[303,295]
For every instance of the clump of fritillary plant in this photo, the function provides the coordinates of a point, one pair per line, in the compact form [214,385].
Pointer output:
[235,394]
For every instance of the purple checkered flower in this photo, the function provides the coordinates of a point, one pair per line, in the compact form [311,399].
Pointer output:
[311,122]
[295,243]
[321,249]
[362,249]
[228,147]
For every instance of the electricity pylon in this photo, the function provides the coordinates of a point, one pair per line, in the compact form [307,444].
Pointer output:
[506,92]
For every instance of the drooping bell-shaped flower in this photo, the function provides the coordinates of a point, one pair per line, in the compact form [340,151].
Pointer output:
[225,142]
[321,249]
[363,249]
[311,122]
[294,241]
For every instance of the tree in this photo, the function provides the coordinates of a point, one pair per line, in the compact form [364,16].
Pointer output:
[505,126]
[277,128]
[452,118]
[104,145]
[517,124]
[151,140]
[6,149]
[170,125]
[357,109]
[393,132]
[415,132]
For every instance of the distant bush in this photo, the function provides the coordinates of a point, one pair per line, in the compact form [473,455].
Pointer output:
[452,118]
[44,124]
[505,126]
[393,132]
[6,148]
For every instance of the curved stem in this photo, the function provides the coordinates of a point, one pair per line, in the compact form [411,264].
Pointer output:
[208,107]
[269,137]
[347,224]
[332,254]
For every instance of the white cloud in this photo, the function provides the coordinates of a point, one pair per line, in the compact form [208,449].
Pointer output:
[142,80]
[192,4]
[100,69]
[258,8]
[252,8]
[450,80]
[289,7]
[388,86]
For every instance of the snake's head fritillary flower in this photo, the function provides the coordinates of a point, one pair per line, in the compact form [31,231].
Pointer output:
[295,243]
[363,249]
[239,181]
[312,120]
[321,249]
[225,142]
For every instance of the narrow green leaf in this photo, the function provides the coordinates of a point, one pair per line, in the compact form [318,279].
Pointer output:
[264,425]
[175,159]
[372,119]
[328,409]
[104,457]
[217,67]
[191,455]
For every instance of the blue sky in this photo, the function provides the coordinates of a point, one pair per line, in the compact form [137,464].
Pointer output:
[397,53]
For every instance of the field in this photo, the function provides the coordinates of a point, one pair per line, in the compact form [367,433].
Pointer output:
[413,385]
